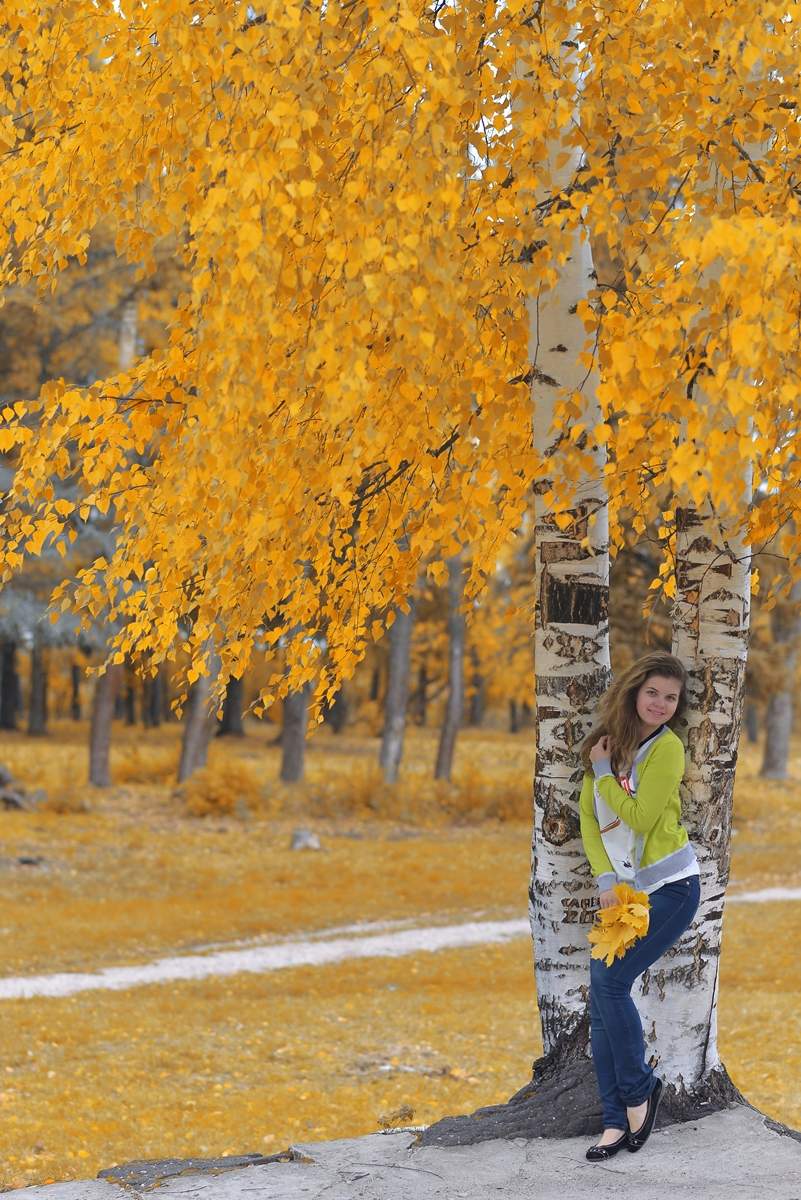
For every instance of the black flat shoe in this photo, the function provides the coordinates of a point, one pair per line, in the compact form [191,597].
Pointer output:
[599,1153]
[637,1140]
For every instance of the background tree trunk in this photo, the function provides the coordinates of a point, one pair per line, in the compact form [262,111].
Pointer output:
[454,704]
[336,714]
[293,735]
[421,695]
[752,721]
[37,700]
[396,699]
[9,686]
[75,703]
[100,728]
[130,693]
[152,699]
[231,723]
[785,621]
[479,692]
[199,723]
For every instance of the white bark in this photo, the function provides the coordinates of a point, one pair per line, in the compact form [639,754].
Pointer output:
[571,651]
[678,997]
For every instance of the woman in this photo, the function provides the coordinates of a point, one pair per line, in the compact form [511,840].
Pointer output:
[632,832]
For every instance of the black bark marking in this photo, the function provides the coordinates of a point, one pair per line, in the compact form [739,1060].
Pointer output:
[573,602]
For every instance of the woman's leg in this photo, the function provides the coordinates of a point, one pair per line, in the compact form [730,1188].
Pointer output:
[614,1110]
[673,907]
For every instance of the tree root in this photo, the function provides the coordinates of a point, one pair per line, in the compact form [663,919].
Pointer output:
[561,1100]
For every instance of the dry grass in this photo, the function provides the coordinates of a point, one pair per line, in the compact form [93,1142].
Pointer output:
[254,1062]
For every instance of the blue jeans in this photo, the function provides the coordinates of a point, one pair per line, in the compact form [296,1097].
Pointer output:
[618,1047]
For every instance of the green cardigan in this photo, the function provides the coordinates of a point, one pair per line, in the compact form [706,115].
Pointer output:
[644,842]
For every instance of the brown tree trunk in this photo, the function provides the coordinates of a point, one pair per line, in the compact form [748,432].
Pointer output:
[421,695]
[37,701]
[751,720]
[9,686]
[395,701]
[100,728]
[785,621]
[130,694]
[198,727]
[75,703]
[454,705]
[231,722]
[293,735]
[478,694]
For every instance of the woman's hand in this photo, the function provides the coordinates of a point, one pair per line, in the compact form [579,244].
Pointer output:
[601,749]
[609,899]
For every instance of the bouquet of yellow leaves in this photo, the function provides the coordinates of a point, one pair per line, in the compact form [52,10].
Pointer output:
[618,927]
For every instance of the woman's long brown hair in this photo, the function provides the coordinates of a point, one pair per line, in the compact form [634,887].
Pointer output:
[617,711]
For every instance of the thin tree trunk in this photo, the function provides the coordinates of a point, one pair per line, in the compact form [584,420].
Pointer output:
[100,728]
[785,620]
[199,724]
[751,721]
[479,693]
[454,705]
[514,717]
[37,701]
[396,699]
[231,723]
[336,713]
[130,694]
[152,699]
[375,683]
[9,687]
[293,735]
[75,704]
[167,711]
[422,694]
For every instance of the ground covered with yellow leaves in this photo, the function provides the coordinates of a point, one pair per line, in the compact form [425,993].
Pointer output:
[252,1062]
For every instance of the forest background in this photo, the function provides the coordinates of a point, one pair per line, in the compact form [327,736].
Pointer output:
[203,305]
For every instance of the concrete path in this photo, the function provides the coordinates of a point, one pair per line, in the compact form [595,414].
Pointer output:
[732,1155]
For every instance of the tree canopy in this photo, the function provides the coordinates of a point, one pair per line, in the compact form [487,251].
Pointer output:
[365,198]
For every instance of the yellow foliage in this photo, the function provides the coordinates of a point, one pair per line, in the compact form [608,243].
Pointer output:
[229,788]
[344,388]
[618,927]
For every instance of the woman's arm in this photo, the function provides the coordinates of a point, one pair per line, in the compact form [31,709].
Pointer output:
[600,865]
[660,777]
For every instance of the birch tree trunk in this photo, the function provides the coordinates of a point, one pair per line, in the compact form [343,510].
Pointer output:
[571,650]
[785,621]
[397,697]
[454,705]
[678,997]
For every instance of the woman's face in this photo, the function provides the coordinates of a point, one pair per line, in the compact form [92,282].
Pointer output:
[657,700]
